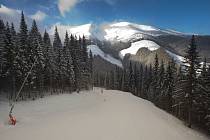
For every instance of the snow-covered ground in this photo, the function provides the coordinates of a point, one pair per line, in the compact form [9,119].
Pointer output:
[133,49]
[96,51]
[111,115]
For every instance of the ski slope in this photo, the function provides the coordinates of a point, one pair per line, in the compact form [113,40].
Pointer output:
[111,115]
[179,59]
[96,51]
[133,49]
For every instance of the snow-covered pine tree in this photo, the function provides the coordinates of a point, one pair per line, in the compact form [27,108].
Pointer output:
[201,99]
[140,83]
[106,81]
[125,81]
[35,52]
[50,66]
[154,85]
[2,47]
[117,78]
[207,86]
[192,66]
[148,83]
[179,100]
[131,79]
[91,69]
[70,78]
[136,79]
[168,86]
[75,53]
[57,46]
[22,55]
[10,54]
[111,80]
[85,73]
[145,82]
[160,85]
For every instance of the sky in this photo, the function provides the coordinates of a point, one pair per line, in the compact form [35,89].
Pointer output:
[188,16]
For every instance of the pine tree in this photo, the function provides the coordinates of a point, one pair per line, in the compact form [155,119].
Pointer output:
[22,54]
[91,69]
[117,78]
[131,79]
[36,56]
[160,85]
[50,66]
[154,84]
[2,46]
[140,83]
[68,64]
[207,99]
[191,68]
[168,86]
[148,84]
[10,58]
[201,99]
[136,80]
[145,82]
[57,46]
[125,81]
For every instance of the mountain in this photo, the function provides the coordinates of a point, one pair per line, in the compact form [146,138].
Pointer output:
[117,31]
[119,42]
[126,31]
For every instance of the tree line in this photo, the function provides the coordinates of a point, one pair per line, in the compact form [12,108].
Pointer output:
[51,67]
[182,90]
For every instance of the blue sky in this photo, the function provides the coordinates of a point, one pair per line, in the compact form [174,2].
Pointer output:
[190,16]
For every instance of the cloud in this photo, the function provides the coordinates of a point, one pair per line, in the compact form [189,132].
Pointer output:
[66,5]
[13,16]
[8,11]
[39,16]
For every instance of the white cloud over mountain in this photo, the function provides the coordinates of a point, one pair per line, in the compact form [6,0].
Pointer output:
[39,16]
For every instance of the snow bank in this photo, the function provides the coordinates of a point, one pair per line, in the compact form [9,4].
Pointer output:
[113,115]
[133,49]
[98,52]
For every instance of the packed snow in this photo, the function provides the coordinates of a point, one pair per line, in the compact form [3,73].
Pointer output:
[92,115]
[96,51]
[133,49]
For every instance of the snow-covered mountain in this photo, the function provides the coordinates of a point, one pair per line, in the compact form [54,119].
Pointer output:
[133,49]
[126,31]
[127,38]
[117,31]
